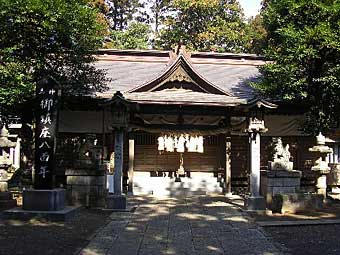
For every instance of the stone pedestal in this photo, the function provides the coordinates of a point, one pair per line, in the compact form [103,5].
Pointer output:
[42,204]
[280,165]
[116,202]
[86,187]
[44,200]
[279,182]
[7,201]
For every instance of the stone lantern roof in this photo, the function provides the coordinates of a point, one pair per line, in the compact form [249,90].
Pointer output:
[4,141]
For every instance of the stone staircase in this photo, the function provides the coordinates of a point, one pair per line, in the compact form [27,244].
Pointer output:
[197,184]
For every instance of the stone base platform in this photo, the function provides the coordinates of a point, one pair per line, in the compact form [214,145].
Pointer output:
[43,200]
[60,215]
[86,187]
[279,182]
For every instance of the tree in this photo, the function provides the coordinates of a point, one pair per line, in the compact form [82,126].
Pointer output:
[204,25]
[48,37]
[256,35]
[121,12]
[159,12]
[135,37]
[304,46]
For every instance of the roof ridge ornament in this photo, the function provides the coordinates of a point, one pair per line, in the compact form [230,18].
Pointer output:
[179,50]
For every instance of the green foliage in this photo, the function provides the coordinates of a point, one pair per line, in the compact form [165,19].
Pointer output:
[135,37]
[304,44]
[122,12]
[48,37]
[204,25]
[256,35]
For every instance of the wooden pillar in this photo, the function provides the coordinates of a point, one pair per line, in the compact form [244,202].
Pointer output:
[228,165]
[118,168]
[131,162]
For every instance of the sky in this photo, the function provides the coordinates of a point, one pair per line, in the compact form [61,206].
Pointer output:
[250,7]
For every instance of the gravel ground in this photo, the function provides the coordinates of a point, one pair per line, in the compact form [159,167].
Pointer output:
[311,240]
[306,239]
[39,237]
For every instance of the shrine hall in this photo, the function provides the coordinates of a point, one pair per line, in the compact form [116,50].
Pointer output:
[174,123]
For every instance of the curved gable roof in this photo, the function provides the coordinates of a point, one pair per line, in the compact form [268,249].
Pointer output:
[180,70]
[138,74]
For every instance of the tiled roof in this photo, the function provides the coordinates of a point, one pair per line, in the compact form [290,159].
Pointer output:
[230,72]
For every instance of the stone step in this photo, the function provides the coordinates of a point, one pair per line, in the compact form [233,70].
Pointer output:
[170,187]
[199,183]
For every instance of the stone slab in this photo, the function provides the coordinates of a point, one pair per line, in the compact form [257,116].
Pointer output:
[44,200]
[296,202]
[255,203]
[60,215]
[282,173]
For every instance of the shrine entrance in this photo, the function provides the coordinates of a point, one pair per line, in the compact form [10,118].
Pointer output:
[182,167]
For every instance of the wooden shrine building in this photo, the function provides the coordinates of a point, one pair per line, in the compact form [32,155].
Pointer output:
[219,127]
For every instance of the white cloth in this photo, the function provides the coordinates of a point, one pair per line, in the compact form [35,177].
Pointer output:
[200,147]
[192,144]
[169,144]
[180,145]
[161,144]
[175,141]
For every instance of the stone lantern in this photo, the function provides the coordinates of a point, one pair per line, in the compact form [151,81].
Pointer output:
[321,165]
[255,201]
[6,199]
[120,119]
[5,160]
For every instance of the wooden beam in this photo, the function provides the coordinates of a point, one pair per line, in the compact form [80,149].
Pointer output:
[190,110]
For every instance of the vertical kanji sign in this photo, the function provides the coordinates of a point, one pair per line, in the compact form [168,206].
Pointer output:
[45,136]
